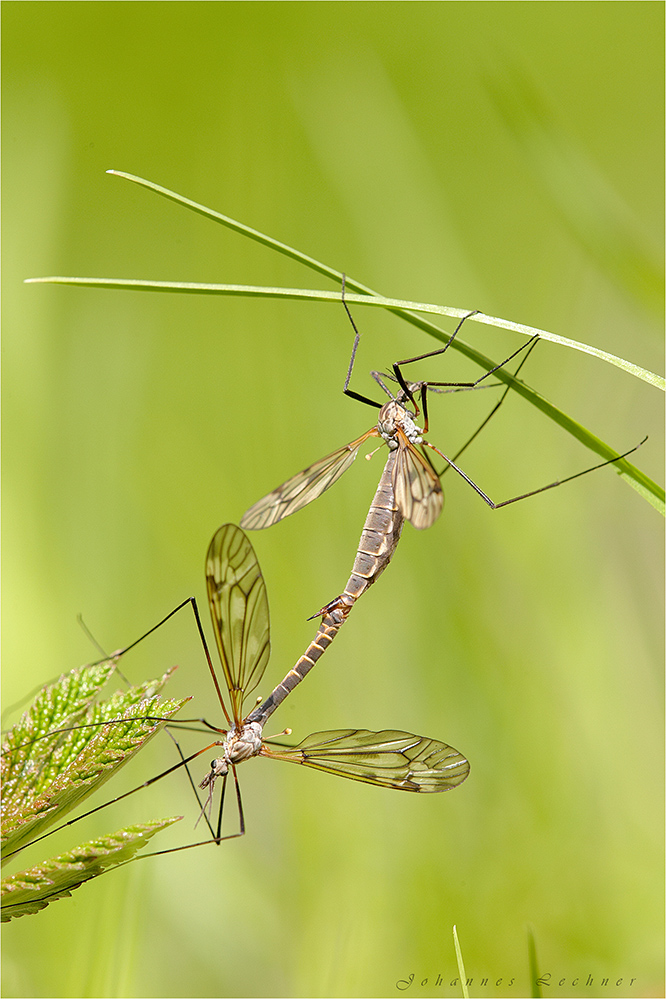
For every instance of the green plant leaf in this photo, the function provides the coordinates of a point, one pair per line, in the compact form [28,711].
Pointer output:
[29,891]
[65,746]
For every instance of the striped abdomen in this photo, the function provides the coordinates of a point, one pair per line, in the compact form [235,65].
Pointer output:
[380,536]
[328,629]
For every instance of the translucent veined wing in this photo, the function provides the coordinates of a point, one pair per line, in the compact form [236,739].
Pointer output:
[418,491]
[239,609]
[304,487]
[389,758]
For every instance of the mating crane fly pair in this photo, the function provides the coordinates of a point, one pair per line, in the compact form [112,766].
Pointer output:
[409,489]
[239,610]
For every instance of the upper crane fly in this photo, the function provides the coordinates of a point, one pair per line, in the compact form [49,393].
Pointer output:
[416,484]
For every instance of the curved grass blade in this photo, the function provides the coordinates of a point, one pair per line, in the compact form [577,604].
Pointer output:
[460,963]
[535,986]
[406,310]
[638,480]
[29,891]
[400,307]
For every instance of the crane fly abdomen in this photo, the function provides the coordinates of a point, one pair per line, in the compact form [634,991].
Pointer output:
[379,538]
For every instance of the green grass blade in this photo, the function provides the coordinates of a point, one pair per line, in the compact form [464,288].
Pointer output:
[400,308]
[535,988]
[245,230]
[396,305]
[645,486]
[409,311]
[461,966]
[29,891]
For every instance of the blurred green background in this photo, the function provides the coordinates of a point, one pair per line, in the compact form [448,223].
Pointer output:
[499,156]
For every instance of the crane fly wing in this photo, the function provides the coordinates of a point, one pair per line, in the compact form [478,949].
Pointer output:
[418,491]
[239,609]
[389,758]
[302,488]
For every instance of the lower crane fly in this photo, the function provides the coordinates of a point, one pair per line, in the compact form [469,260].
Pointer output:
[239,610]
[415,483]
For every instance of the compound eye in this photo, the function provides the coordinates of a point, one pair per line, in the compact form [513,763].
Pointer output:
[212,764]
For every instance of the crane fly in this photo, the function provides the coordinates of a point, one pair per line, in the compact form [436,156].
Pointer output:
[239,610]
[415,482]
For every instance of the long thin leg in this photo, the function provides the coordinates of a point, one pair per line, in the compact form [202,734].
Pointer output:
[187,725]
[192,784]
[347,391]
[470,386]
[533,492]
[495,407]
[451,462]
[377,375]
[241,818]
[464,385]
[181,725]
[91,638]
[433,353]
[121,652]
[112,801]
[195,610]
[177,849]
[106,658]
[223,792]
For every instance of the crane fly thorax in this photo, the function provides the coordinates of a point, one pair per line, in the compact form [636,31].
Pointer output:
[239,744]
[394,417]
[244,742]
